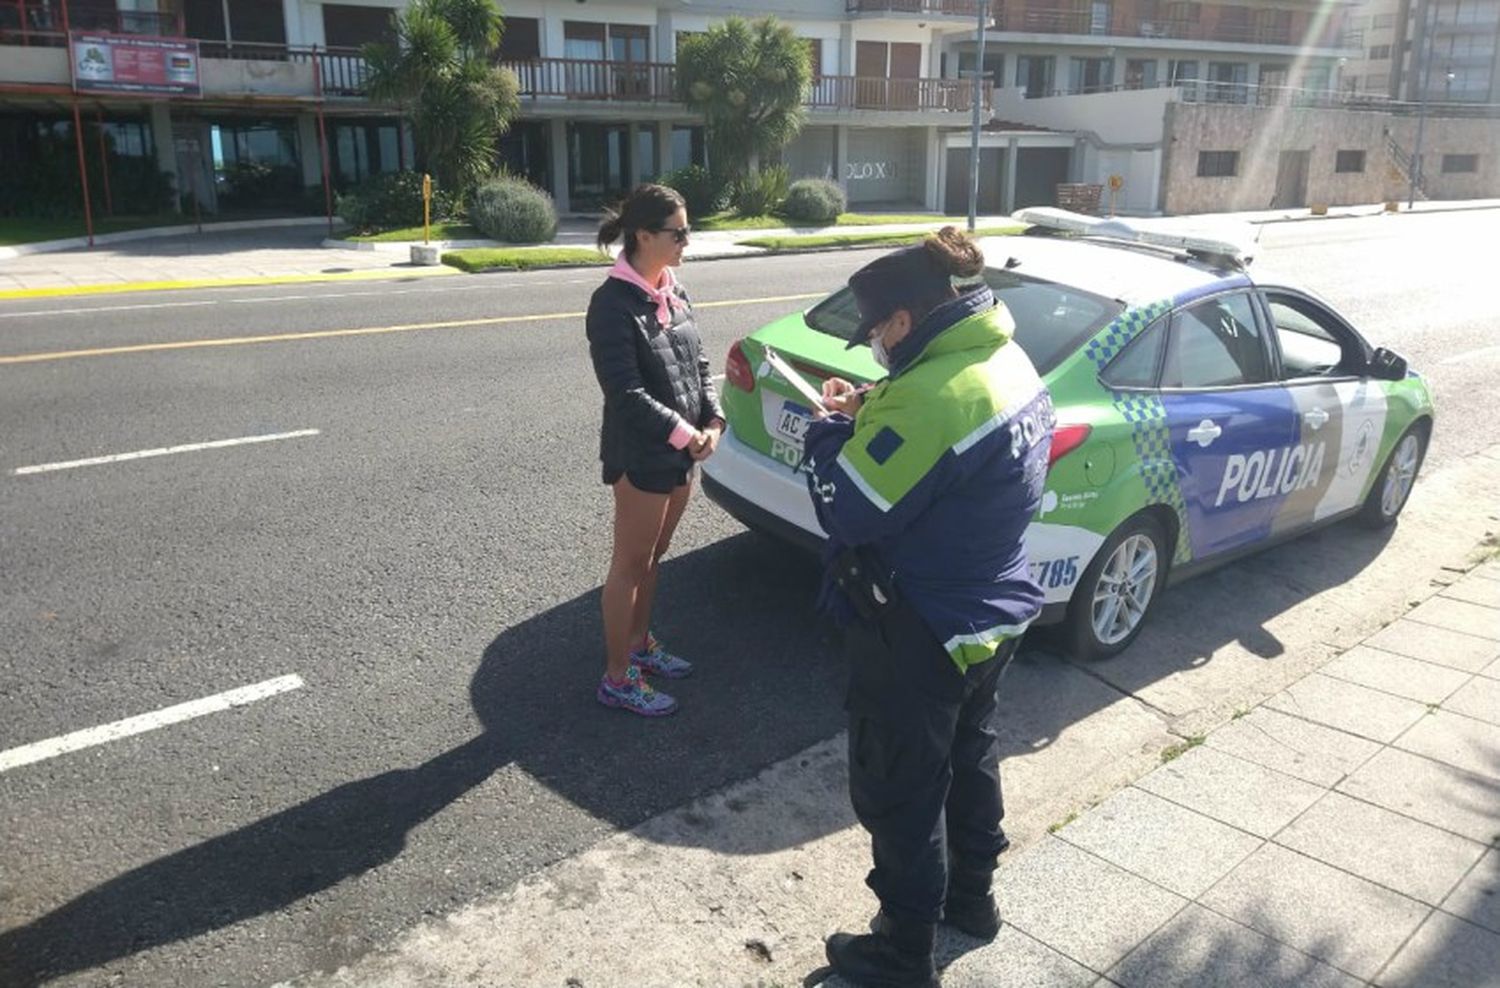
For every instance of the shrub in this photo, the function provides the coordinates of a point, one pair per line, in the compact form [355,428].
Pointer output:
[815,200]
[760,194]
[390,201]
[513,211]
[702,190]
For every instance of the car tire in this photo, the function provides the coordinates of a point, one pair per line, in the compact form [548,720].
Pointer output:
[1106,612]
[1394,482]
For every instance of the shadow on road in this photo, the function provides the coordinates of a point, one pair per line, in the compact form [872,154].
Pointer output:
[768,686]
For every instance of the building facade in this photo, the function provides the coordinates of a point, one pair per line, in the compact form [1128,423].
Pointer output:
[271,113]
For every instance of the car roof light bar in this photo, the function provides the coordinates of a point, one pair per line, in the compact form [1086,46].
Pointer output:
[1233,248]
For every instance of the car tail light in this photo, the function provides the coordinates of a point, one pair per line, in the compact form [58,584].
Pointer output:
[1065,439]
[737,368]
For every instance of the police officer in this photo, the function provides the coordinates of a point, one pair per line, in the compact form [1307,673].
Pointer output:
[925,484]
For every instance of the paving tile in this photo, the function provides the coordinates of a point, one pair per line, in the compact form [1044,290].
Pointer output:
[1389,672]
[1232,790]
[1351,923]
[1201,949]
[1446,953]
[1492,670]
[1088,909]
[1311,752]
[1170,845]
[1488,571]
[1459,615]
[1429,791]
[1462,742]
[1348,707]
[1479,698]
[1011,960]
[1477,898]
[1483,592]
[1412,858]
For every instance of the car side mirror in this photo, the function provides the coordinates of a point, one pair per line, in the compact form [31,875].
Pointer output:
[1387,365]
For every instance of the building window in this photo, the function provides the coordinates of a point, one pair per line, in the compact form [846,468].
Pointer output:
[1034,74]
[1091,75]
[1460,164]
[1380,53]
[687,147]
[521,40]
[1349,161]
[1218,164]
[1140,73]
[347,26]
[1228,82]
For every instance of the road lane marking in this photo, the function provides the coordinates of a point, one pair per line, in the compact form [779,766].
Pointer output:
[103,308]
[141,454]
[325,334]
[38,751]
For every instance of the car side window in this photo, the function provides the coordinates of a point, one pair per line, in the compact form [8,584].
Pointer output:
[1216,344]
[1309,347]
[1135,366]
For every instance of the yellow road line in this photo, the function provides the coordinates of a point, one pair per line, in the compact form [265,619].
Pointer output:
[372,274]
[324,334]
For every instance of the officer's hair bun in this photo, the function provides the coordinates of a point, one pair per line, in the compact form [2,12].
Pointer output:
[954,252]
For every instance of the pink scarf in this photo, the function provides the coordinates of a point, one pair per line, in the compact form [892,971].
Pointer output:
[662,293]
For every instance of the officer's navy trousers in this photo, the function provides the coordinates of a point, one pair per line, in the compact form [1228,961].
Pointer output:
[924,761]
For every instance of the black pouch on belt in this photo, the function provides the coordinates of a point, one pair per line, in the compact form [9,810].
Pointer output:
[865,582]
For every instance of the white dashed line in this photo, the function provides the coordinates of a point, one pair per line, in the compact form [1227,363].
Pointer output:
[102,308]
[90,737]
[142,454]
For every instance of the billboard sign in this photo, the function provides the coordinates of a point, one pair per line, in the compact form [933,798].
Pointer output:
[132,63]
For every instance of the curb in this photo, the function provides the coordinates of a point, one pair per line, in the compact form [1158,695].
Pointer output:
[150,233]
[1378,211]
[373,274]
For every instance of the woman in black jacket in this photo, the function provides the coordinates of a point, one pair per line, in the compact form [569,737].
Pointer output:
[661,416]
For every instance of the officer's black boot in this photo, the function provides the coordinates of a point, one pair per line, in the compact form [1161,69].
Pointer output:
[970,906]
[899,955]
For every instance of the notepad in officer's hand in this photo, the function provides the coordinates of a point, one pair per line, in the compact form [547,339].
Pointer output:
[799,384]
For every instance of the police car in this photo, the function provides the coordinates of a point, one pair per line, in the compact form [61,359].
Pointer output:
[1201,413]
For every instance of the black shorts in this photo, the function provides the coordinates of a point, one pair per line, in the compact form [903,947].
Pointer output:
[652,481]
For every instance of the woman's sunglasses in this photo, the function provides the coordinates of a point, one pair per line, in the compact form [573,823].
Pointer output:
[679,233]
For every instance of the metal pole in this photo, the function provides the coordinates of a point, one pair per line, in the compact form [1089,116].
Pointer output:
[1414,173]
[977,96]
[323,139]
[83,173]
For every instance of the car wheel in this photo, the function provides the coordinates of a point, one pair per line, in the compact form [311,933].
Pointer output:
[1393,486]
[1118,590]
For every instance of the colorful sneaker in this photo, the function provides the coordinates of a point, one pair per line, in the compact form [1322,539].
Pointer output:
[635,695]
[659,662]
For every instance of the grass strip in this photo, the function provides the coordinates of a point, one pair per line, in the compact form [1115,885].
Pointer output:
[440,231]
[31,230]
[733,221]
[825,240]
[476,259]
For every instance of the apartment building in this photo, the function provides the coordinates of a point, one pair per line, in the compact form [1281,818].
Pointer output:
[1443,51]
[263,84]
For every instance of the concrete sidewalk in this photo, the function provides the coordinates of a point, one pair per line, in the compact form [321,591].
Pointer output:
[1336,822]
[297,254]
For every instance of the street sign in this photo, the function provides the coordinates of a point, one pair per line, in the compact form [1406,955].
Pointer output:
[120,63]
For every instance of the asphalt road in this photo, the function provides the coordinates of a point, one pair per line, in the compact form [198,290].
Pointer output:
[427,564]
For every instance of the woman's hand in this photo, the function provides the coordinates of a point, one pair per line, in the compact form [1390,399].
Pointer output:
[707,440]
[841,396]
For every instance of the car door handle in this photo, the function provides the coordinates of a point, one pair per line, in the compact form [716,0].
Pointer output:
[1205,433]
[1317,418]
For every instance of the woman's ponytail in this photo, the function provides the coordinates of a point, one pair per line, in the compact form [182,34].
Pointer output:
[955,252]
[610,229]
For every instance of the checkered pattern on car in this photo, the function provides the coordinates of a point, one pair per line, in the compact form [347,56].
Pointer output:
[1147,418]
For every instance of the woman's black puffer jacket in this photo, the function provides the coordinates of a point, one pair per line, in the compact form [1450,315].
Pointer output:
[650,375]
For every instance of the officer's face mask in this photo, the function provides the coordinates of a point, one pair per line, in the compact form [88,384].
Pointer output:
[879,352]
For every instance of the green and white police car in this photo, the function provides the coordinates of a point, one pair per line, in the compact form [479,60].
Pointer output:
[1202,413]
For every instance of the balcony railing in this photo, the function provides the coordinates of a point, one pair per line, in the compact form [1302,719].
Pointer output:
[926,8]
[34,23]
[852,93]
[1062,20]
[595,79]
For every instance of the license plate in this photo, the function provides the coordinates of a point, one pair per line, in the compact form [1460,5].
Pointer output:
[791,423]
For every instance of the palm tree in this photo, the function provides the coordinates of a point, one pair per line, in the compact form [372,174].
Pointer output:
[748,79]
[441,72]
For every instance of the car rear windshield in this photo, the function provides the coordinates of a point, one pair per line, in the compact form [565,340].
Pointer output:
[1052,320]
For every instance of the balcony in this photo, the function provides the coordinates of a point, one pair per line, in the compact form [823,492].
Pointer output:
[34,23]
[843,93]
[1105,23]
[595,79]
[922,8]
